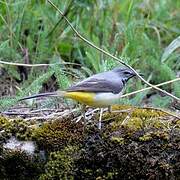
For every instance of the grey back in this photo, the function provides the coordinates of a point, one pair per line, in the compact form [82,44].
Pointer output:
[109,81]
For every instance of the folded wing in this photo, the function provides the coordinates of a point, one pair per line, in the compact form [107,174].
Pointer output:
[97,85]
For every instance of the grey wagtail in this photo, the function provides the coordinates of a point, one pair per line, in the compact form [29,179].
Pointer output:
[100,90]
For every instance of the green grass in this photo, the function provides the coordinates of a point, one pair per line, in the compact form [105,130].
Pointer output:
[138,31]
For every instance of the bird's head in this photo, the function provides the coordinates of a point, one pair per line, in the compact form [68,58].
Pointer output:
[124,73]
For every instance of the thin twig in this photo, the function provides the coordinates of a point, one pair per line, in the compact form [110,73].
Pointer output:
[39,65]
[36,65]
[120,60]
[148,88]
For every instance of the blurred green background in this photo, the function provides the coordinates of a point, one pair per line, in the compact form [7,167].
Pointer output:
[142,32]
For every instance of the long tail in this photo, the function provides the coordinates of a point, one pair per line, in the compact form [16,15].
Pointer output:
[57,93]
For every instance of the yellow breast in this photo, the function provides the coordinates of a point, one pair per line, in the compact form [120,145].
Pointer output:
[86,98]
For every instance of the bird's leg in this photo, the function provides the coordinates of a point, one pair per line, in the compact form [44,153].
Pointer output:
[109,109]
[100,118]
[84,113]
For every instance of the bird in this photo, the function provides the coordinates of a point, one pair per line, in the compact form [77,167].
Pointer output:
[99,90]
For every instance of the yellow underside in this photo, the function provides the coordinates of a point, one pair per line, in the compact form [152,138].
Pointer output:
[86,98]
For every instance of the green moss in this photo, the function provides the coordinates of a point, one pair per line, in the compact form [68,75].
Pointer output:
[164,135]
[119,154]
[119,140]
[132,145]
[146,137]
[146,113]
[155,134]
[19,165]
[60,164]
[177,124]
[156,123]
[16,127]
[136,112]
[129,146]
[136,118]
[58,134]
[133,123]
[3,121]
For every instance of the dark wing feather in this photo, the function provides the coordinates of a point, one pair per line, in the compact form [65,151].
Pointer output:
[97,85]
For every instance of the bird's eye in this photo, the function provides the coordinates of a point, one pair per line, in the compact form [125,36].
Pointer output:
[126,72]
